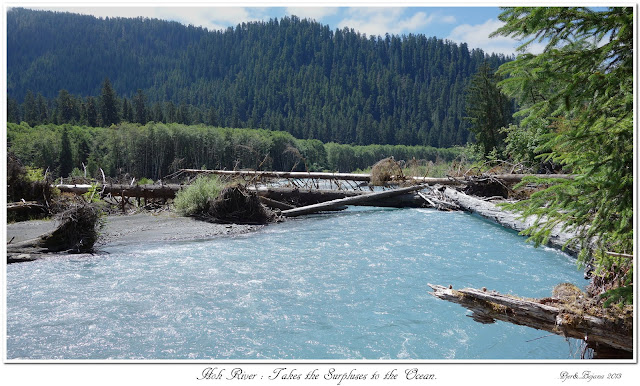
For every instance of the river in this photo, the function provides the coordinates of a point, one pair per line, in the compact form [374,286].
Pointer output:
[348,285]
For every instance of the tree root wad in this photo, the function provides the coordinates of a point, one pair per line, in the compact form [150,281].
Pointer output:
[78,232]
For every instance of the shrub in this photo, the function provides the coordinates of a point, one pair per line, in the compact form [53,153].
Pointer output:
[145,181]
[196,198]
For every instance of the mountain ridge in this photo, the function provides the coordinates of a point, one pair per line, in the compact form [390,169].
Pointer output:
[288,74]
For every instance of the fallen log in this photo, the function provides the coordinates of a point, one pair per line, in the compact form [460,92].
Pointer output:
[437,202]
[28,206]
[364,198]
[77,233]
[273,174]
[606,334]
[305,197]
[299,197]
[142,191]
[362,177]
[275,204]
[561,239]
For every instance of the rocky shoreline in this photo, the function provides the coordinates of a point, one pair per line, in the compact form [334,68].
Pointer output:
[136,228]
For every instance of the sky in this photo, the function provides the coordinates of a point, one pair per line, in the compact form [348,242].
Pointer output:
[471,23]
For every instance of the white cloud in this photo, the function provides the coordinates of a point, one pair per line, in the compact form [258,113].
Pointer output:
[379,21]
[477,36]
[212,18]
[316,13]
[448,19]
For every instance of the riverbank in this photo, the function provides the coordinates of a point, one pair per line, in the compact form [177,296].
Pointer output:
[140,227]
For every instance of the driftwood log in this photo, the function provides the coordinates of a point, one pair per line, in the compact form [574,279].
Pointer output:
[360,199]
[600,333]
[77,232]
[292,175]
[275,204]
[142,191]
[287,196]
[305,197]
[361,177]
[26,207]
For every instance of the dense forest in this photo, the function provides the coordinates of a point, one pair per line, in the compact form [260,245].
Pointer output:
[290,75]
[155,150]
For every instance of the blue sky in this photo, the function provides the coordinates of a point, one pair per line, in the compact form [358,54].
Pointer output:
[470,24]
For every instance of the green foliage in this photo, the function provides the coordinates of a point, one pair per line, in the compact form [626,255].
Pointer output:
[92,196]
[488,110]
[65,159]
[346,158]
[109,109]
[145,181]
[525,143]
[196,198]
[76,173]
[578,95]
[34,174]
[619,295]
[156,150]
[285,74]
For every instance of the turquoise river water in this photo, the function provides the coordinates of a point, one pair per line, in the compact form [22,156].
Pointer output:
[349,285]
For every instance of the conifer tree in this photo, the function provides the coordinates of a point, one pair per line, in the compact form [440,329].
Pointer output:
[30,109]
[109,110]
[488,109]
[92,112]
[43,110]
[582,85]
[127,111]
[212,117]
[13,110]
[67,109]
[139,108]
[65,158]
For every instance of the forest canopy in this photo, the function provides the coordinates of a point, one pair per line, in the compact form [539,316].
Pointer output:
[288,74]
[156,150]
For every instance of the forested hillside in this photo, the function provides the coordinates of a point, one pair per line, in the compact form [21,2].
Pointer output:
[290,74]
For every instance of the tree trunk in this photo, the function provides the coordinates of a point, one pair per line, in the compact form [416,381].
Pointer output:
[362,177]
[143,191]
[488,306]
[364,198]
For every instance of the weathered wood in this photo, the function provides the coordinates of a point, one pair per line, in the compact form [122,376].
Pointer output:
[273,174]
[143,191]
[349,201]
[512,220]
[25,206]
[438,203]
[364,177]
[275,204]
[488,306]
[513,178]
[304,197]
[20,257]
[300,196]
